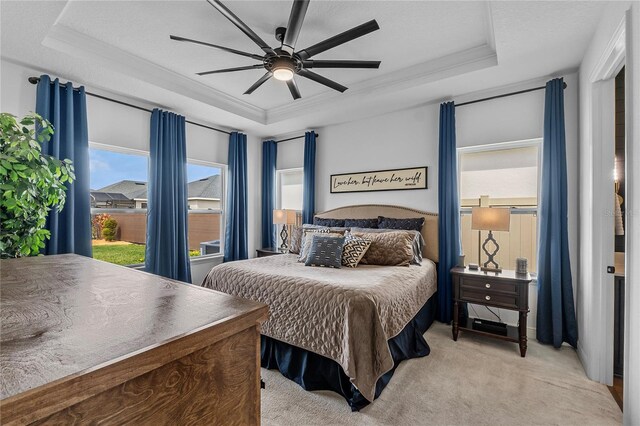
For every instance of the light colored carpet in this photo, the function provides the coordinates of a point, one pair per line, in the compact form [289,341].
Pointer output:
[475,380]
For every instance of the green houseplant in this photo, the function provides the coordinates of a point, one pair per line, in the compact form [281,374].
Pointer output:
[31,184]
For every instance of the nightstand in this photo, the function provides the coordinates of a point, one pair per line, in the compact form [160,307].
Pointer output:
[505,290]
[269,251]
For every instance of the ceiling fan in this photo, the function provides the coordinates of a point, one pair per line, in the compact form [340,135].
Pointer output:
[283,62]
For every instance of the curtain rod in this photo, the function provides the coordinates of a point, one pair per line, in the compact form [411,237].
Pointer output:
[504,95]
[292,138]
[35,80]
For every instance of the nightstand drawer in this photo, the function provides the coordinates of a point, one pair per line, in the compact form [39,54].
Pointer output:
[488,284]
[477,295]
[506,290]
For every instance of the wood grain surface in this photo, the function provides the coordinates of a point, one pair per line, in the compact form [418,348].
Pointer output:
[73,328]
[182,392]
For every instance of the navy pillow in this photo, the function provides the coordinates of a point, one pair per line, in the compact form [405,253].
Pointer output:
[361,223]
[325,251]
[328,222]
[411,224]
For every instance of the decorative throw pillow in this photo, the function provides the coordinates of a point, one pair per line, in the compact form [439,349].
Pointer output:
[393,248]
[306,241]
[361,223]
[354,250]
[418,242]
[296,240]
[414,224]
[328,222]
[325,251]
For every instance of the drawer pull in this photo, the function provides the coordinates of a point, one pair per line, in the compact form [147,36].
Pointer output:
[487,285]
[488,297]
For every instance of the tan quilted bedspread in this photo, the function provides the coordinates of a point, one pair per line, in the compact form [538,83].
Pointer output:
[347,314]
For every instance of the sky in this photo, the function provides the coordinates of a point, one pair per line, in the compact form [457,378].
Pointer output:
[107,167]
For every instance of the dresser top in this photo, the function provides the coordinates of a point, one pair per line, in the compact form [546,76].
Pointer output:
[506,274]
[64,315]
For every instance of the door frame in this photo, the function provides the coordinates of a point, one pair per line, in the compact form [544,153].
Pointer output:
[602,80]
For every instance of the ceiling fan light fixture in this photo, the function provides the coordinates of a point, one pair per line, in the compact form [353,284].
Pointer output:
[284,62]
[283,74]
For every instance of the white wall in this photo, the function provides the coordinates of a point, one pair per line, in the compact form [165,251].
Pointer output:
[17,96]
[122,126]
[409,138]
[254,181]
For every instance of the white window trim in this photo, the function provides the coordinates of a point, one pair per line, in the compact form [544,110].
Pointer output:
[118,149]
[223,217]
[279,173]
[221,166]
[498,146]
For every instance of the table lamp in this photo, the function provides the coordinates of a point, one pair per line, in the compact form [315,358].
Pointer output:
[284,218]
[490,219]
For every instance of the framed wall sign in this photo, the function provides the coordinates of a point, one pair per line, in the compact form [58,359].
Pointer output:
[381,180]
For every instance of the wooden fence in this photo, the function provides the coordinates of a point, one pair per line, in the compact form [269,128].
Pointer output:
[132,226]
[519,241]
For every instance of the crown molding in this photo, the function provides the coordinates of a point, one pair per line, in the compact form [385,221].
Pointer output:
[75,43]
[67,40]
[458,63]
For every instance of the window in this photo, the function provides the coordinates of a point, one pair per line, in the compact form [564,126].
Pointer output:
[119,193]
[118,204]
[205,196]
[501,175]
[289,189]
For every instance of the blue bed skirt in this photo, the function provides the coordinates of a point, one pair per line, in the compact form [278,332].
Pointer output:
[316,372]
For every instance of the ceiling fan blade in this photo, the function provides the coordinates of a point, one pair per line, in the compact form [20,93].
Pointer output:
[226,49]
[339,39]
[293,88]
[241,25]
[249,67]
[322,80]
[339,63]
[258,83]
[298,11]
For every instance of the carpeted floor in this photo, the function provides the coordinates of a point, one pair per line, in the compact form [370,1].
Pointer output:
[475,381]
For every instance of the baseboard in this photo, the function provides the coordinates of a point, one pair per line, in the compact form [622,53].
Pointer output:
[584,360]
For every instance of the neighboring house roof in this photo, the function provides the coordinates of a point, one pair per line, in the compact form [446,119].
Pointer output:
[101,197]
[129,188]
[209,187]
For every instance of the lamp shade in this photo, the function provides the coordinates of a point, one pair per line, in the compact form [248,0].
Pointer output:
[284,217]
[490,218]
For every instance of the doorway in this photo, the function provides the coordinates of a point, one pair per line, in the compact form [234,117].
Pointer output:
[620,240]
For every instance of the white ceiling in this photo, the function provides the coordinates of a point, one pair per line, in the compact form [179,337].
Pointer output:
[429,51]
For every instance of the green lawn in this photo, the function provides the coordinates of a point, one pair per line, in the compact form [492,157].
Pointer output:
[120,254]
[128,254]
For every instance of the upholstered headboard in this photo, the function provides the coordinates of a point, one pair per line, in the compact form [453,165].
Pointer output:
[366,211]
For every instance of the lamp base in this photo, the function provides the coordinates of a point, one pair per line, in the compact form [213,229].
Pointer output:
[284,235]
[491,255]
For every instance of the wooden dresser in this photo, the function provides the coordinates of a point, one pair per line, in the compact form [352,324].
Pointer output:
[85,341]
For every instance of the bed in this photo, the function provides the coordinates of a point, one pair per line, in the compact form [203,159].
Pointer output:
[345,329]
